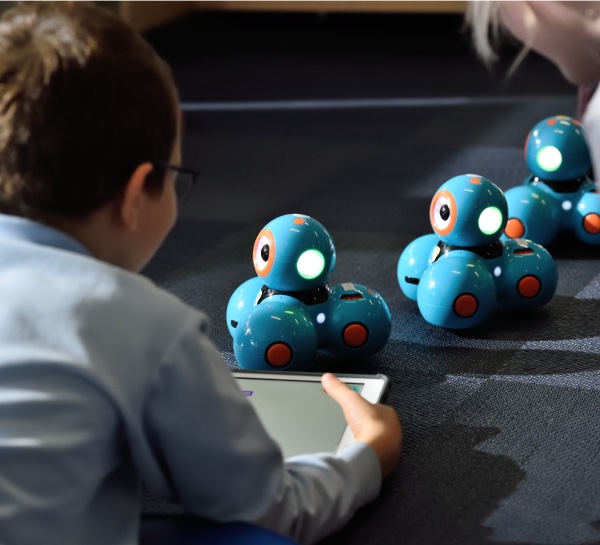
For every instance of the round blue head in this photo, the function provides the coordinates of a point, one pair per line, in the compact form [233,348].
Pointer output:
[556,149]
[468,210]
[294,252]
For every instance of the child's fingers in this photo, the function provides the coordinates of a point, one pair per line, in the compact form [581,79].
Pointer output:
[339,391]
[374,424]
[356,409]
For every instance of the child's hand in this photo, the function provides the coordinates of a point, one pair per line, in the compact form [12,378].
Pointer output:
[375,424]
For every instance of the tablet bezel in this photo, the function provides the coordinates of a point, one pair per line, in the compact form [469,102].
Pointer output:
[375,389]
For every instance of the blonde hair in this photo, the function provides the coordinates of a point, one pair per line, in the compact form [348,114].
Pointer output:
[483,19]
[484,23]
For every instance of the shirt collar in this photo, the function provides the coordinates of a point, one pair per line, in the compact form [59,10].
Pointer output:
[18,228]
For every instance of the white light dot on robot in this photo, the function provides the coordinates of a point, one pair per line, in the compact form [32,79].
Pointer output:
[310,264]
[497,271]
[490,220]
[320,318]
[567,205]
[549,158]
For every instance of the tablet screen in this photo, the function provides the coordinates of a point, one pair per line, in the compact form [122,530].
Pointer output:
[299,415]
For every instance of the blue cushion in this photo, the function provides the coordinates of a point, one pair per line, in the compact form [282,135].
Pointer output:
[183,530]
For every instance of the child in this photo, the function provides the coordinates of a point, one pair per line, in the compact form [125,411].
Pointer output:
[106,380]
[566,33]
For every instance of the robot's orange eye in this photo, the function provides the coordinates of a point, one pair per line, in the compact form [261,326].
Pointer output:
[264,252]
[442,212]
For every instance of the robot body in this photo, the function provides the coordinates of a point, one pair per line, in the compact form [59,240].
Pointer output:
[558,195]
[460,274]
[281,318]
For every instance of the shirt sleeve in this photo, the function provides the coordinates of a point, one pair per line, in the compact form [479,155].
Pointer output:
[219,462]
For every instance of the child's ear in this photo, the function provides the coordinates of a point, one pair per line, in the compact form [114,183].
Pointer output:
[129,208]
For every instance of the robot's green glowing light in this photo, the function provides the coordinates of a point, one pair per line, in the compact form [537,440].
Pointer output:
[310,264]
[490,220]
[549,158]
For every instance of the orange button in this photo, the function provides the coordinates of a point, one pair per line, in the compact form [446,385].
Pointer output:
[466,305]
[529,286]
[355,335]
[514,228]
[279,355]
[591,223]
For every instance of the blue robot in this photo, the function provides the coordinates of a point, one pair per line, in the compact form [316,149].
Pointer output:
[462,272]
[558,195]
[282,317]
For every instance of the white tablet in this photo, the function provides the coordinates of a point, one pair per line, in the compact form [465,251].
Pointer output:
[298,414]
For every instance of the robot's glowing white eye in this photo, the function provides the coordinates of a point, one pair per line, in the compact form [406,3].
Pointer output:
[490,220]
[549,158]
[261,253]
[310,264]
[442,212]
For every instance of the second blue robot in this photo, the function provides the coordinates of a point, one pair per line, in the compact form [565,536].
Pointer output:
[462,272]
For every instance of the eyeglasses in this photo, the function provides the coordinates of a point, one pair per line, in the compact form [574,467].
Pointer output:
[186,179]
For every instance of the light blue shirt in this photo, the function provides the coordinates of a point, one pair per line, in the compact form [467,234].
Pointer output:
[106,380]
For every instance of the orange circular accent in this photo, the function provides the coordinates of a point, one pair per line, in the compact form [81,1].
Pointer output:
[271,239]
[465,305]
[576,122]
[299,221]
[278,354]
[475,181]
[514,228]
[355,335]
[591,223]
[525,146]
[552,121]
[529,286]
[453,212]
